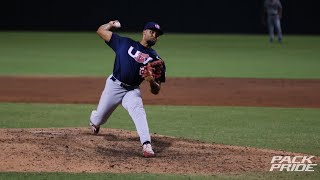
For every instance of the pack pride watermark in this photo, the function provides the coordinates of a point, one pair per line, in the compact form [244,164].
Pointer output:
[288,163]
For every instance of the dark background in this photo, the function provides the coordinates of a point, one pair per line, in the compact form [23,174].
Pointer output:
[198,16]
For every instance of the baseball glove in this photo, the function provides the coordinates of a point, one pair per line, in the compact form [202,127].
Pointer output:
[153,70]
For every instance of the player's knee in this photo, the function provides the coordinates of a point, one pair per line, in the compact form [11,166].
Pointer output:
[135,108]
[132,104]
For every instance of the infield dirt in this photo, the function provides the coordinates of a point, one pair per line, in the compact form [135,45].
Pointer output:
[119,151]
[176,91]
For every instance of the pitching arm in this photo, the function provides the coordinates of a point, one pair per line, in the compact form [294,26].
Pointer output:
[105,30]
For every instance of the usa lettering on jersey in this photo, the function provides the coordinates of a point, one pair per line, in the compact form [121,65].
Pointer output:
[139,56]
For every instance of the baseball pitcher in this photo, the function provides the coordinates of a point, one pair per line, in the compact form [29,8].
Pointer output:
[135,61]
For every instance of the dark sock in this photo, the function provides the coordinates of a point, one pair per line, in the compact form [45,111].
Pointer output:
[147,142]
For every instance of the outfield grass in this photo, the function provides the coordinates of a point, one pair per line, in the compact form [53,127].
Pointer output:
[290,129]
[187,55]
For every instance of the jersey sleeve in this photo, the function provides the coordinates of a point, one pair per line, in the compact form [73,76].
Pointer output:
[115,41]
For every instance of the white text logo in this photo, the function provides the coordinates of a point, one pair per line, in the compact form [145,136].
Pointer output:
[139,56]
[288,163]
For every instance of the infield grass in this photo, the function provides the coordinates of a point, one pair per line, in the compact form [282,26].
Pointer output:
[100,176]
[186,55]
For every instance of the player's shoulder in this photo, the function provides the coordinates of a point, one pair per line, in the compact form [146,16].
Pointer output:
[118,36]
[131,41]
[153,51]
[127,38]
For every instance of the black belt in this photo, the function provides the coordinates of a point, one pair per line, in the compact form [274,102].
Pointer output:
[125,86]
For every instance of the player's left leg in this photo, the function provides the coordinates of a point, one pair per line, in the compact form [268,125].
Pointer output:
[132,102]
[278,28]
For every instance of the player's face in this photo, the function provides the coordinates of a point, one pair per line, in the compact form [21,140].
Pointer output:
[150,36]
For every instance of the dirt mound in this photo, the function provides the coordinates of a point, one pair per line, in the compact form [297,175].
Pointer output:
[119,151]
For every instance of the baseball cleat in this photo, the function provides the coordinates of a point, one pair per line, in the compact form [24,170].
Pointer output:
[147,151]
[94,129]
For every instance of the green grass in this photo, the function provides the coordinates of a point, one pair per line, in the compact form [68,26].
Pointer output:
[187,55]
[100,176]
[290,129]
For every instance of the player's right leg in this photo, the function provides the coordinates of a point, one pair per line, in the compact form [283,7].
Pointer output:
[110,98]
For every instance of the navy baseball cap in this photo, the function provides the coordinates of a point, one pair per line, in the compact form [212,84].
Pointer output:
[153,26]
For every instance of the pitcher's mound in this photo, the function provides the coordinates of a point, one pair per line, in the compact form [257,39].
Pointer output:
[119,151]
